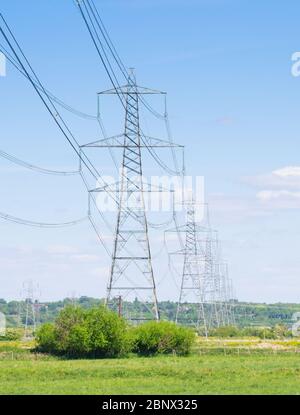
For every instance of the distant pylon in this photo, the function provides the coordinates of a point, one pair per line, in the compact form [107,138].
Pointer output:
[204,292]
[29,308]
[192,284]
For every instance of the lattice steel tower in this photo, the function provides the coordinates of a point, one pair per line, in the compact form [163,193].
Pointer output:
[29,308]
[204,300]
[131,274]
[192,284]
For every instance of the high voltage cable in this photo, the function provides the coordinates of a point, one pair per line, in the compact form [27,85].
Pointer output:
[26,222]
[110,43]
[27,165]
[62,103]
[107,223]
[112,75]
[124,72]
[50,94]
[144,102]
[115,54]
[155,113]
[54,113]
[39,88]
[84,159]
[85,115]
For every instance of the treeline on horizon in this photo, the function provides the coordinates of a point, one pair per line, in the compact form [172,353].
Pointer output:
[246,314]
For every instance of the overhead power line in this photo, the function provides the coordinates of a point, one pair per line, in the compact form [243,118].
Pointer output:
[39,169]
[26,222]
[92,22]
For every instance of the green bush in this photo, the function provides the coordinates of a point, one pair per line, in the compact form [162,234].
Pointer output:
[260,332]
[109,334]
[225,331]
[46,338]
[278,331]
[66,330]
[162,338]
[77,332]
[12,335]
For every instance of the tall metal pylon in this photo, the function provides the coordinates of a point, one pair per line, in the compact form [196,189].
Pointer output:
[204,301]
[192,283]
[132,221]
[29,308]
[131,274]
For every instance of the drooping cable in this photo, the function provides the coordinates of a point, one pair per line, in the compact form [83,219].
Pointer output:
[53,112]
[88,20]
[39,169]
[62,103]
[26,222]
[115,54]
[51,107]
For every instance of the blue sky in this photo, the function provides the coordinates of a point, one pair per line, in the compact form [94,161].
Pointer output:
[226,65]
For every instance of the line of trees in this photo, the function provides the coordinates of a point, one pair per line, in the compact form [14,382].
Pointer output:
[246,314]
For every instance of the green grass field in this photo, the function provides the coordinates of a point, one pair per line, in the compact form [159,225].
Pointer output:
[207,373]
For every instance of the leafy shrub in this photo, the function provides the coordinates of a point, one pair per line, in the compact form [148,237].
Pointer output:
[12,335]
[260,332]
[77,332]
[281,331]
[46,338]
[278,331]
[162,338]
[66,330]
[225,331]
[109,333]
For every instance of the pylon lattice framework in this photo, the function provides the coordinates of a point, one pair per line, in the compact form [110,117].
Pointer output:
[131,275]
[29,308]
[205,292]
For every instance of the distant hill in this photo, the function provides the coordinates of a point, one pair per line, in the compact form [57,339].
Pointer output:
[246,314]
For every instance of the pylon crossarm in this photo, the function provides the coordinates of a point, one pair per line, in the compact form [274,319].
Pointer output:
[138,90]
[117,141]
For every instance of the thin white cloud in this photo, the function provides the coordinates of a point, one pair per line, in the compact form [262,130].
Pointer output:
[284,178]
[289,171]
[267,195]
[279,189]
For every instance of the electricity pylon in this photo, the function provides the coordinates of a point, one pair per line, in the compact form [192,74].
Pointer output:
[203,299]
[29,308]
[131,274]
[192,283]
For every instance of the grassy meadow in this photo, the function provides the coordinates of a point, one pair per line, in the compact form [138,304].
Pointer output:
[216,366]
